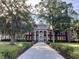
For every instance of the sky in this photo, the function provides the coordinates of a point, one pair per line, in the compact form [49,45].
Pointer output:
[74,2]
[33,2]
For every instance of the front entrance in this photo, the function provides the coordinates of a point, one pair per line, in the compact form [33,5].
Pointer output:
[41,36]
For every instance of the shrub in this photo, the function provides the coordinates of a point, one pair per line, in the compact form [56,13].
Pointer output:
[63,49]
[67,50]
[12,53]
[57,47]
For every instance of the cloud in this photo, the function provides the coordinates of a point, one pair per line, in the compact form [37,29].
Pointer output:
[33,2]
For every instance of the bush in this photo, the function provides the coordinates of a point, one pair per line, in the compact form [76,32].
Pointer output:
[27,45]
[63,49]
[57,47]
[5,40]
[67,50]
[12,53]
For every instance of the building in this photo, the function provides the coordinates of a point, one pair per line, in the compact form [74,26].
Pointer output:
[41,32]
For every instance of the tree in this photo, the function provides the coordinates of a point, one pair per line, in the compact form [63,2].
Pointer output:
[16,13]
[2,26]
[75,32]
[54,13]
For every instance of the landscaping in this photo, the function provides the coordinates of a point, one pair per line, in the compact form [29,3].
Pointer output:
[8,51]
[26,22]
[68,50]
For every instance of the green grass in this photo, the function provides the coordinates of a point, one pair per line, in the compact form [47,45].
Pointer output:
[75,46]
[13,49]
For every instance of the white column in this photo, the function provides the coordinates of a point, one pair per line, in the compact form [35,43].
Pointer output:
[39,35]
[47,35]
[35,35]
[53,37]
[43,35]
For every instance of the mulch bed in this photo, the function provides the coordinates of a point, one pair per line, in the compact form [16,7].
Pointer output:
[66,56]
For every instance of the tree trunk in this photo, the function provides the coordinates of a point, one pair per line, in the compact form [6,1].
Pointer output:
[12,42]
[1,36]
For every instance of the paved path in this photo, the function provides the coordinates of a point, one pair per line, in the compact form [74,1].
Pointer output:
[40,51]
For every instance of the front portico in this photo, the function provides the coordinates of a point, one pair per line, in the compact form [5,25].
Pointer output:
[41,32]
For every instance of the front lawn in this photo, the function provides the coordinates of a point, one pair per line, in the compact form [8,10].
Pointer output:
[12,51]
[69,49]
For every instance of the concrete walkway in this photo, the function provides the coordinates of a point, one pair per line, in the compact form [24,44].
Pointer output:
[40,51]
